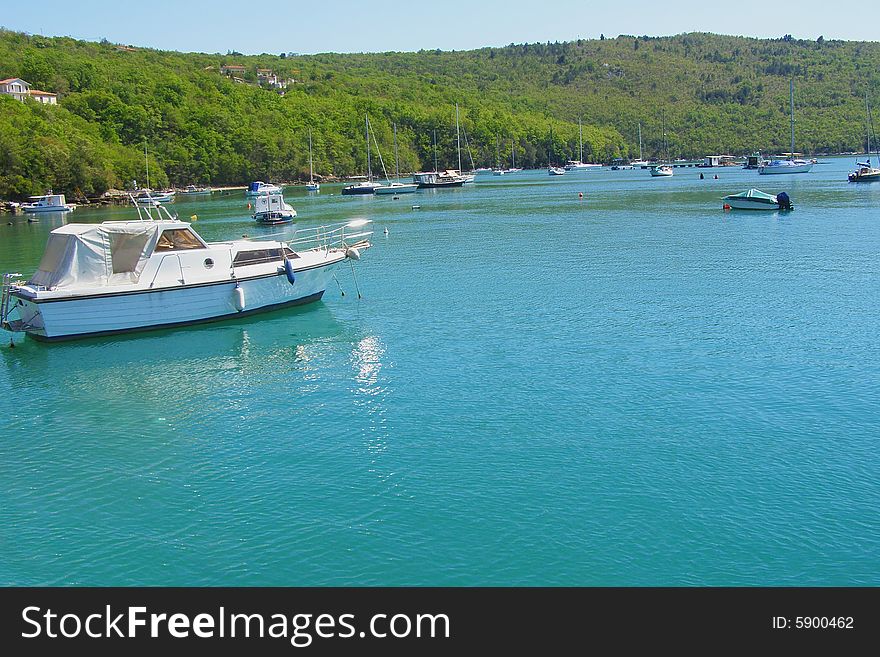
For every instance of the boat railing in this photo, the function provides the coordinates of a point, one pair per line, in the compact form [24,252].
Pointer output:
[343,236]
[182,278]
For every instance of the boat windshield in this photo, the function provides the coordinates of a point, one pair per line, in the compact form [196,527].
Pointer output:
[178,239]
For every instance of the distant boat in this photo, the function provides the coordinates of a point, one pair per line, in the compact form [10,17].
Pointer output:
[259,187]
[271,209]
[579,164]
[662,170]
[755,199]
[47,203]
[368,186]
[396,187]
[792,164]
[194,190]
[311,186]
[436,179]
[865,172]
[553,170]
[151,198]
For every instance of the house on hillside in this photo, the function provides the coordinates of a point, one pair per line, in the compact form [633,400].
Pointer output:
[19,89]
[232,69]
[15,87]
[44,97]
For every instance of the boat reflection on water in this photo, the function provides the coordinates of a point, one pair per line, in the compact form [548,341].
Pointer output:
[235,354]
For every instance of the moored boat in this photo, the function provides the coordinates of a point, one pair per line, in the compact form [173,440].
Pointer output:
[755,199]
[662,170]
[119,276]
[396,188]
[437,179]
[195,190]
[259,187]
[271,209]
[47,203]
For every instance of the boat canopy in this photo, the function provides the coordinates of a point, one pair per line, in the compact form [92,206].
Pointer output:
[754,193]
[80,255]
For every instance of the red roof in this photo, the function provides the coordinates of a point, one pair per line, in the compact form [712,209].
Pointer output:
[11,80]
[37,92]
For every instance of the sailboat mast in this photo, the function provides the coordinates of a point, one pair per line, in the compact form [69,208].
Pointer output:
[436,170]
[868,124]
[791,103]
[512,153]
[458,137]
[311,169]
[640,140]
[580,140]
[396,160]
[367,134]
[147,162]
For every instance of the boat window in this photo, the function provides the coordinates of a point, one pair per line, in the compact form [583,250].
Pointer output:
[178,239]
[126,250]
[256,257]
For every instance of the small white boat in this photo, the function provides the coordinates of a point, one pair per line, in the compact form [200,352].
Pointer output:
[785,166]
[662,171]
[498,172]
[396,188]
[755,199]
[313,187]
[120,276]
[150,198]
[573,165]
[259,187]
[195,190]
[556,171]
[271,209]
[47,203]
[640,163]
[436,180]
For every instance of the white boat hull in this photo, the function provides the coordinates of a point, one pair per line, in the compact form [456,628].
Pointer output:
[396,189]
[795,168]
[45,208]
[104,314]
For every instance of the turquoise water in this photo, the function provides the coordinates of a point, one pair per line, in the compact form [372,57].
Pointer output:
[635,388]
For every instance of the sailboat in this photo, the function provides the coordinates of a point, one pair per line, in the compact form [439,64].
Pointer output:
[865,172]
[312,186]
[367,186]
[437,179]
[640,162]
[663,170]
[579,164]
[791,165]
[469,177]
[147,196]
[396,187]
[552,170]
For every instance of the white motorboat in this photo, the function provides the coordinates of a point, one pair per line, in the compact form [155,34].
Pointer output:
[555,171]
[577,165]
[271,209]
[755,199]
[259,187]
[119,276]
[195,190]
[664,170]
[47,203]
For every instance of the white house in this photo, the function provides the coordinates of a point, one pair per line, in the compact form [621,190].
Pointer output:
[44,97]
[15,87]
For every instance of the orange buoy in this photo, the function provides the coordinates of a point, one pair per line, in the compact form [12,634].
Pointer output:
[249,206]
[726,206]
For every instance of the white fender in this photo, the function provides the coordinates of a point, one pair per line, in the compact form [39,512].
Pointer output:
[352,253]
[239,298]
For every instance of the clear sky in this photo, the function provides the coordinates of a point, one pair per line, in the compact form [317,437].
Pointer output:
[313,26]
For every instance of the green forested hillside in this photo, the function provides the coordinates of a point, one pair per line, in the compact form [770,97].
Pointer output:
[717,94]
